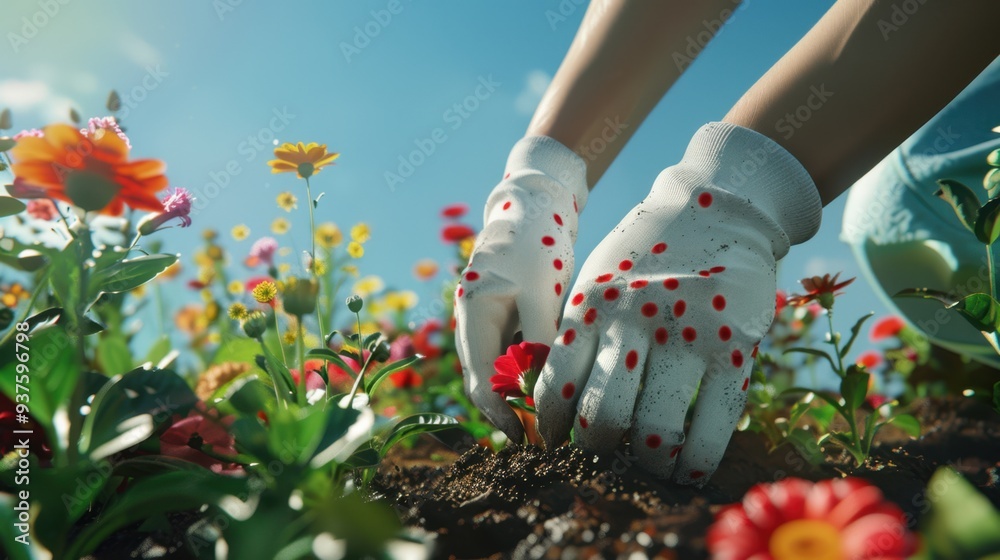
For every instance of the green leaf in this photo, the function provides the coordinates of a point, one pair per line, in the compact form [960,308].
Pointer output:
[295,433]
[53,372]
[8,518]
[330,356]
[64,277]
[854,388]
[346,430]
[145,466]
[991,181]
[963,201]
[996,396]
[822,414]
[988,222]
[158,350]
[907,423]
[993,158]
[927,293]
[113,354]
[10,206]
[379,376]
[813,352]
[805,443]
[962,522]
[279,374]
[246,394]
[829,397]
[89,190]
[173,491]
[129,407]
[7,143]
[129,274]
[415,424]
[855,330]
[114,102]
[5,121]
[981,310]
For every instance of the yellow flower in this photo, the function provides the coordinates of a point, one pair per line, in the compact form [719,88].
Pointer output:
[202,259]
[310,340]
[304,159]
[280,226]
[215,253]
[328,235]
[318,267]
[368,286]
[355,250]
[425,269]
[191,319]
[209,235]
[265,291]
[289,337]
[361,233]
[240,232]
[171,271]
[14,294]
[400,301]
[238,312]
[465,247]
[206,274]
[212,311]
[350,270]
[206,295]
[287,201]
[235,287]
[137,292]
[283,268]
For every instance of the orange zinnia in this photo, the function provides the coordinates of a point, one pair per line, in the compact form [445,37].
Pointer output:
[43,166]
[304,159]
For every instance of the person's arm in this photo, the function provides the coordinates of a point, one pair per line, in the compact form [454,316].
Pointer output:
[624,57]
[864,78]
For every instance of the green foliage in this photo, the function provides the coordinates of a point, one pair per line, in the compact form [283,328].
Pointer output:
[962,524]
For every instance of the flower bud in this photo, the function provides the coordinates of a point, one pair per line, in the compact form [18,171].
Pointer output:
[300,296]
[255,325]
[355,303]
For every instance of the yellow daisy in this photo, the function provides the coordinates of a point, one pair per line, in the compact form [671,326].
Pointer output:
[361,233]
[350,270]
[465,247]
[287,201]
[328,235]
[238,312]
[235,287]
[280,226]
[355,250]
[304,159]
[241,232]
[265,291]
[400,301]
[368,286]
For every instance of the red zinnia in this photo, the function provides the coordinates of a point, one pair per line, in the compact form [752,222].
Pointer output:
[819,288]
[406,378]
[453,233]
[886,327]
[870,359]
[197,427]
[518,369]
[795,519]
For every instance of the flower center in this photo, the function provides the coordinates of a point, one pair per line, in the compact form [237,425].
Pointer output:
[805,539]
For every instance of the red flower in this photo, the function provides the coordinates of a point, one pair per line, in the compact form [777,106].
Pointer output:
[454,210]
[426,339]
[795,519]
[406,378]
[870,359]
[886,327]
[200,429]
[42,209]
[780,301]
[819,288]
[518,370]
[453,233]
[313,379]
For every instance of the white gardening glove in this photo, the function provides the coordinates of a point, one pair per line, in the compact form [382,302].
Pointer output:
[520,267]
[680,292]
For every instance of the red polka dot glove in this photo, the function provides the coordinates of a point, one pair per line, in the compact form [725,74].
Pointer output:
[679,293]
[520,267]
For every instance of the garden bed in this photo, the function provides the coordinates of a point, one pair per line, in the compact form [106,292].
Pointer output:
[528,502]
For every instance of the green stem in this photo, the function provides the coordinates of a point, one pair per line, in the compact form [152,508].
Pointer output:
[991,263]
[836,345]
[301,344]
[361,360]
[277,332]
[42,279]
[80,309]
[312,253]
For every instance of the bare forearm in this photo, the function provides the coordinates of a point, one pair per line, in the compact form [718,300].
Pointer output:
[868,75]
[624,57]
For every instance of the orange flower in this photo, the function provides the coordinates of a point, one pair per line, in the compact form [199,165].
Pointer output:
[822,289]
[425,269]
[304,159]
[95,169]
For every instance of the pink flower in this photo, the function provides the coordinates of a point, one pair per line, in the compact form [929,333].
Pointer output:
[795,519]
[870,359]
[313,379]
[886,327]
[199,429]
[42,209]
[263,251]
[517,370]
[453,233]
[177,204]
[30,133]
[105,123]
[454,210]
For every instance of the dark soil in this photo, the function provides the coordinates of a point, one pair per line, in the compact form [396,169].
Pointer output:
[525,502]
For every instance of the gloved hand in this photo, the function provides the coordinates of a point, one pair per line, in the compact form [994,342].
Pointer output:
[520,267]
[680,292]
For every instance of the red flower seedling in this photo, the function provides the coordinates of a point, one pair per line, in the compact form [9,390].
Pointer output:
[518,369]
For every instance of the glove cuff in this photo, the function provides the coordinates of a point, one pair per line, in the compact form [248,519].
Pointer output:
[753,166]
[553,159]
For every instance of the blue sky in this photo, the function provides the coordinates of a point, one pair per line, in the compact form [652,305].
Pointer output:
[207,86]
